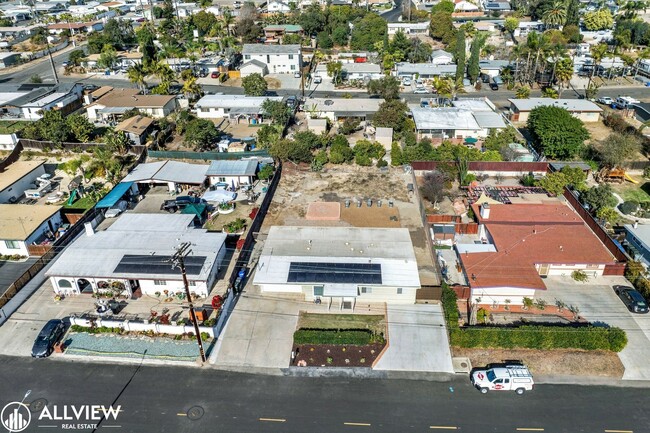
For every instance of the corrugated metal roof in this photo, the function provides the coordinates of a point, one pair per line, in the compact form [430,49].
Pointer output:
[232,168]
[444,118]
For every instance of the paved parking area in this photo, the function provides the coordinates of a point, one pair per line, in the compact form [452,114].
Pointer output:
[598,303]
[418,340]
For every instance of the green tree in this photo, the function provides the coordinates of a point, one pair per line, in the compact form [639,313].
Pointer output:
[117,142]
[308,139]
[392,114]
[334,70]
[497,140]
[556,133]
[549,92]
[145,36]
[598,197]
[191,88]
[340,150]
[254,85]
[563,73]
[367,31]
[53,127]
[278,111]
[201,134]
[76,57]
[444,6]
[385,87]
[442,27]
[601,19]
[572,34]
[340,35]
[204,21]
[312,20]
[267,135]
[248,31]
[617,149]
[108,57]
[396,154]
[522,92]
[137,75]
[473,68]
[80,127]
[324,41]
[288,150]
[461,55]
[555,14]
[511,24]
[608,214]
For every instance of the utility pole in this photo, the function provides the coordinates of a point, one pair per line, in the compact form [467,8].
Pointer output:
[178,261]
[49,53]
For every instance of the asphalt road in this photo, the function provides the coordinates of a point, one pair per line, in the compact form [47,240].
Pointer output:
[166,399]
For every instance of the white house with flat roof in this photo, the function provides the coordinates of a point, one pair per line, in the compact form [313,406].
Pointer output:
[339,266]
[455,123]
[409,28]
[638,241]
[583,109]
[279,59]
[175,174]
[232,172]
[231,106]
[424,70]
[133,253]
[17,178]
[22,225]
[342,108]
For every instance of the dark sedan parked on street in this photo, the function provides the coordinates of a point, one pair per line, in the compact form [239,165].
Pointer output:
[632,299]
[47,338]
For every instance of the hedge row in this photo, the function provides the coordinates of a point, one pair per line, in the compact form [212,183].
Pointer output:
[540,337]
[529,337]
[336,336]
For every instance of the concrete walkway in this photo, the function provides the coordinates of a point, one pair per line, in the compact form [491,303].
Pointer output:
[418,340]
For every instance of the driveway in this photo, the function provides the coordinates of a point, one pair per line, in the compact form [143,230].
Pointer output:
[418,340]
[598,303]
[259,333]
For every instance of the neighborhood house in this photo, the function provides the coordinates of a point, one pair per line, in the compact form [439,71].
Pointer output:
[23,225]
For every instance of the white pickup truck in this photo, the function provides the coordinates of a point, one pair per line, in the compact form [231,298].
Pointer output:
[503,378]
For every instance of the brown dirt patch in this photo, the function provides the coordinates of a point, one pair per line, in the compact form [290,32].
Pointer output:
[331,355]
[551,362]
[371,216]
[273,83]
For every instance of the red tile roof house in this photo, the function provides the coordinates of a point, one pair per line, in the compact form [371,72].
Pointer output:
[521,244]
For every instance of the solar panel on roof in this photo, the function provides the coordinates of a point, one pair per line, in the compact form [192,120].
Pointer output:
[352,273]
[140,264]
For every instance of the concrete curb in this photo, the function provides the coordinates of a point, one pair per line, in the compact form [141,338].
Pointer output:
[591,381]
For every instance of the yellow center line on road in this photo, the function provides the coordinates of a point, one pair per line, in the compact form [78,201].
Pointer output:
[443,427]
[529,429]
[619,431]
[358,424]
[273,419]
[181,414]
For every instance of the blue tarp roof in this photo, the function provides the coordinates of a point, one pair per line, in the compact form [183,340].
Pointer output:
[114,196]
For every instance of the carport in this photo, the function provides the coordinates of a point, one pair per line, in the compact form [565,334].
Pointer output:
[116,195]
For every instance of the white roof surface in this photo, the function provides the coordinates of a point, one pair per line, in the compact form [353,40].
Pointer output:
[567,104]
[489,119]
[444,118]
[168,171]
[234,101]
[336,105]
[474,104]
[389,247]
[137,234]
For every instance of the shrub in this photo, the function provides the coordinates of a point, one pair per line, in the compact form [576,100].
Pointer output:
[646,172]
[336,336]
[579,276]
[629,207]
[540,337]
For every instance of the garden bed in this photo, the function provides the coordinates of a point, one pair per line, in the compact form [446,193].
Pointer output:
[333,355]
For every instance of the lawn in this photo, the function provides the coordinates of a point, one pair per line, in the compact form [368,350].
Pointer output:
[9,126]
[631,191]
[82,203]
[376,324]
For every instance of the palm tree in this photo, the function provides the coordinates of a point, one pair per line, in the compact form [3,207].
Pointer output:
[191,88]
[563,72]
[228,19]
[137,74]
[166,76]
[522,92]
[555,14]
[447,87]
[597,54]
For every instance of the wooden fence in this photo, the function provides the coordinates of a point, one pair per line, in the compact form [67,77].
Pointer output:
[12,157]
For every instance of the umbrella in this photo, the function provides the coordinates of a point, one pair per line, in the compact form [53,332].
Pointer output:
[471,140]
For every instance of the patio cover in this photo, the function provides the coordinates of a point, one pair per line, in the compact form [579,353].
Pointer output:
[114,195]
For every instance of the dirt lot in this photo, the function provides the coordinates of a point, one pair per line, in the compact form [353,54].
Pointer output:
[551,362]
[300,186]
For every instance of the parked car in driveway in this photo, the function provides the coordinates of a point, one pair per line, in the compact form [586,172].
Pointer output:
[214,74]
[632,299]
[180,202]
[47,338]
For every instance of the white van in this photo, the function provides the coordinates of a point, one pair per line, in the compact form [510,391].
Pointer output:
[503,378]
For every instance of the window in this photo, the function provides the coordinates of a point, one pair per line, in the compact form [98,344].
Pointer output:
[160,282]
[191,283]
[222,179]
[12,245]
[290,56]
[399,290]
[293,67]
[64,284]
[247,57]
[366,290]
[318,290]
